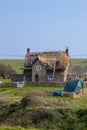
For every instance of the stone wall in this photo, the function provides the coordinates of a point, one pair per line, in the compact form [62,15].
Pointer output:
[8,84]
[17,77]
[43,75]
[40,73]
[45,84]
[59,77]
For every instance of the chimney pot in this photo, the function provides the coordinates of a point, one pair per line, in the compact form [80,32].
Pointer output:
[67,51]
[28,50]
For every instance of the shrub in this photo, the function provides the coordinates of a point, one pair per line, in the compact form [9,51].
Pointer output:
[6,70]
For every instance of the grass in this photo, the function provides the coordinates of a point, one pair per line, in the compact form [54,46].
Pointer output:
[5,80]
[16,128]
[43,93]
[79,62]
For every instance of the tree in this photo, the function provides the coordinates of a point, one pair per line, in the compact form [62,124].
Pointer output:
[6,70]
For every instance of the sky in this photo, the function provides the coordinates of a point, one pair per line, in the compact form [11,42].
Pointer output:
[43,25]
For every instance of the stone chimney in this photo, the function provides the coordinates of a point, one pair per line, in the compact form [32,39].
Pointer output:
[67,51]
[28,50]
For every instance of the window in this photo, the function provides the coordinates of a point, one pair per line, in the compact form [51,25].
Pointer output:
[38,67]
[50,77]
[79,76]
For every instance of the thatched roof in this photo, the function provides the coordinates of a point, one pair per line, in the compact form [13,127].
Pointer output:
[61,59]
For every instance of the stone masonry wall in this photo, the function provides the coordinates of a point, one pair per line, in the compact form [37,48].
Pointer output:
[41,72]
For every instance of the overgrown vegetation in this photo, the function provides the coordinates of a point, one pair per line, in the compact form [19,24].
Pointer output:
[35,107]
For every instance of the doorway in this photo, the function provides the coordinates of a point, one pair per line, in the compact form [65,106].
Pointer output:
[36,78]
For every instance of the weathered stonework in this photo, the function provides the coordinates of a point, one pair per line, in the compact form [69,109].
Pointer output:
[41,73]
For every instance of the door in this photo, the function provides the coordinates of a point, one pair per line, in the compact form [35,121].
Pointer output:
[36,78]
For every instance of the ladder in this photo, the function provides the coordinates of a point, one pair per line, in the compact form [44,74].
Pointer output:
[54,67]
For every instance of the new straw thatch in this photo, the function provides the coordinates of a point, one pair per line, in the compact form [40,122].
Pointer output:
[48,59]
[75,88]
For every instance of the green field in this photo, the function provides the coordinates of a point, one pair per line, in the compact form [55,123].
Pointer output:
[79,62]
[18,65]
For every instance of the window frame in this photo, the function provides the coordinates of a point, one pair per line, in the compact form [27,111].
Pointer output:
[79,76]
[50,77]
[38,67]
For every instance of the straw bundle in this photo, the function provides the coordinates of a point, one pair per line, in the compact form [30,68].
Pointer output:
[82,93]
[67,94]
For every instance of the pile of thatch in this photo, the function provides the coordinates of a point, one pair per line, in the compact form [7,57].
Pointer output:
[74,88]
[82,93]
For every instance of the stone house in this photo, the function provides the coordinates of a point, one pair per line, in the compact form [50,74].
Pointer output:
[77,72]
[46,66]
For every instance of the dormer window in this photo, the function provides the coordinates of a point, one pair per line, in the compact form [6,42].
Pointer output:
[38,67]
